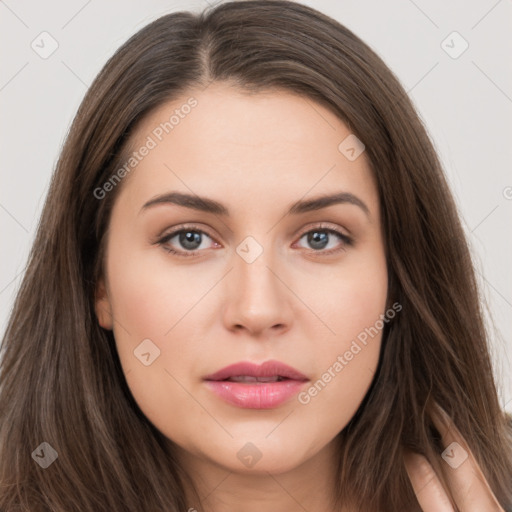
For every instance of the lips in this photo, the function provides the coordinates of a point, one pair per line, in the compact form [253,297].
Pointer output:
[253,386]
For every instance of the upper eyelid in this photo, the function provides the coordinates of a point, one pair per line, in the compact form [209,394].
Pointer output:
[192,227]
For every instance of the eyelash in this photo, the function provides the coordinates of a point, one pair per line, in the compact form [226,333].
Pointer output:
[346,241]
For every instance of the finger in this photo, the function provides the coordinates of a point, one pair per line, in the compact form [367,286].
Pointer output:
[427,486]
[467,483]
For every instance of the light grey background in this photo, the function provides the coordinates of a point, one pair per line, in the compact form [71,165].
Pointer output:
[465,102]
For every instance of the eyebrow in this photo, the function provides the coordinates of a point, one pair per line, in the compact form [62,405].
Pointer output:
[207,205]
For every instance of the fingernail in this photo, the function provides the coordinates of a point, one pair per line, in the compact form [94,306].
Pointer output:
[443,415]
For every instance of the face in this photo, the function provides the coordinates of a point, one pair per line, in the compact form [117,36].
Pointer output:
[260,273]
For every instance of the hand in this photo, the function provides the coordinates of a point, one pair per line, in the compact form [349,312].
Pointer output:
[468,485]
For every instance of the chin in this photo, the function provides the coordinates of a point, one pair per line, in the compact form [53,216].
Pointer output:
[262,456]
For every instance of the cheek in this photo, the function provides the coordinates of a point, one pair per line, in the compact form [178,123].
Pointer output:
[150,301]
[353,304]
[157,301]
[149,296]
[354,297]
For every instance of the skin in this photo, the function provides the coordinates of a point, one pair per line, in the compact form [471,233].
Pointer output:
[294,303]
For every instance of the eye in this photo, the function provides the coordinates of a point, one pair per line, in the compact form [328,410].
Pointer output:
[326,240]
[185,241]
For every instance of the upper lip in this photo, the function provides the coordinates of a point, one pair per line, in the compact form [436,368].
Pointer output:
[267,369]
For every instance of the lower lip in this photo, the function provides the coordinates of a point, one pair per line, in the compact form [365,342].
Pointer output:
[266,395]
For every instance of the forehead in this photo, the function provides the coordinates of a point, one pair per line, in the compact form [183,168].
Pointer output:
[273,143]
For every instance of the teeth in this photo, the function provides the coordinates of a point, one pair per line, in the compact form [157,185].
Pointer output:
[250,378]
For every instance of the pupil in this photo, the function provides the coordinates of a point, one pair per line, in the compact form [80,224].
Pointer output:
[318,239]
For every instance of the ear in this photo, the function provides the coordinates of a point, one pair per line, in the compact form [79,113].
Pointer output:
[102,305]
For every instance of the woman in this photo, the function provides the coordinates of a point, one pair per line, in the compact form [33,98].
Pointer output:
[249,287]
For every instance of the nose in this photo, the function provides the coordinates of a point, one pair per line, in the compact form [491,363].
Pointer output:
[257,299]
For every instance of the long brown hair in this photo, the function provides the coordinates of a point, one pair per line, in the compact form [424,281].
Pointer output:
[60,376]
